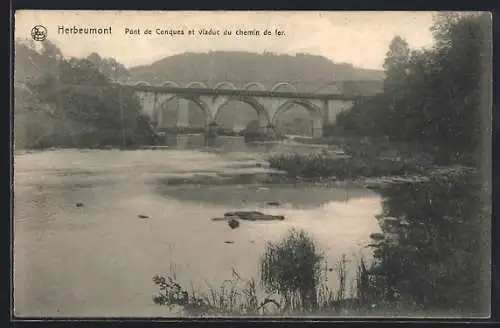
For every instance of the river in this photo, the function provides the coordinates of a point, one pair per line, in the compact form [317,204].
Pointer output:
[98,259]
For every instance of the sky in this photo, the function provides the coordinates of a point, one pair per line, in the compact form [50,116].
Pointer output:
[359,38]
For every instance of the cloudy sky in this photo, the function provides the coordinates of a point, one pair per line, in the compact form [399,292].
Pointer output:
[360,38]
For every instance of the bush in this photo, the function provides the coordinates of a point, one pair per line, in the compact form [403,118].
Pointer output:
[291,267]
[429,255]
[229,299]
[329,165]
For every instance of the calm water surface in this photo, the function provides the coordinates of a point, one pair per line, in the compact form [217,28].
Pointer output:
[98,260]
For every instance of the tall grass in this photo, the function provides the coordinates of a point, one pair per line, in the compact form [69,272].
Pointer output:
[291,267]
[293,281]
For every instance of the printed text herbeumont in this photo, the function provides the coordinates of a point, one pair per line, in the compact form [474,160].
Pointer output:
[61,29]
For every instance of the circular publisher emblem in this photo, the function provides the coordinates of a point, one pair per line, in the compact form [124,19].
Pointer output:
[39,33]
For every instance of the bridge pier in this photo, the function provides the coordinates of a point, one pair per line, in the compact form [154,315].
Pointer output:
[182,113]
[263,124]
[317,127]
[270,130]
[334,107]
[326,112]
[211,134]
[159,123]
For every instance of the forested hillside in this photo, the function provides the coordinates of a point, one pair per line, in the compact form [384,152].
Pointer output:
[307,71]
[48,115]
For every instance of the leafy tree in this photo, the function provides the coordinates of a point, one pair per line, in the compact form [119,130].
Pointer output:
[109,67]
[396,63]
[433,98]
[84,107]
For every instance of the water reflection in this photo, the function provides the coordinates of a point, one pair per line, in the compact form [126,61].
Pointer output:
[256,195]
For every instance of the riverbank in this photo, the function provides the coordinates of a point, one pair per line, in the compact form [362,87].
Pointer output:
[340,169]
[261,177]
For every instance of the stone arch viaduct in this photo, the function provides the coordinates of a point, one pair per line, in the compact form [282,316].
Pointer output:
[268,102]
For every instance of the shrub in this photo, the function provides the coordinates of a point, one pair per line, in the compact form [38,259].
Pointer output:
[291,267]
[430,259]
[329,165]
[232,298]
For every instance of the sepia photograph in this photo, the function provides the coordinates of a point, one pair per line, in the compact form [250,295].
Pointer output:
[255,164]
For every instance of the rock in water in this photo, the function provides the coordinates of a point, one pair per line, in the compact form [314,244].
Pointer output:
[229,242]
[220,219]
[273,203]
[142,216]
[79,204]
[254,216]
[233,223]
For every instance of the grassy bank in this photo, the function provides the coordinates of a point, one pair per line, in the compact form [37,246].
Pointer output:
[326,164]
[251,297]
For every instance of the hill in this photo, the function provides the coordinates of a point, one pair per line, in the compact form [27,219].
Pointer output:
[29,62]
[308,72]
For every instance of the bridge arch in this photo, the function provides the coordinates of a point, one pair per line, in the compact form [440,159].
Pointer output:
[142,84]
[170,96]
[170,83]
[225,84]
[261,111]
[311,108]
[200,104]
[283,84]
[196,83]
[259,85]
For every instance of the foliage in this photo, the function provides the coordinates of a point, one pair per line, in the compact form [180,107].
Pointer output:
[109,67]
[432,97]
[428,256]
[79,103]
[253,132]
[238,297]
[396,64]
[329,165]
[230,299]
[291,267]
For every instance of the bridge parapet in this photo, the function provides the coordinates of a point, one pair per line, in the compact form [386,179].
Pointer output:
[241,92]
[352,87]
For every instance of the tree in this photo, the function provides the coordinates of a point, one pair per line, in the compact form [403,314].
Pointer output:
[83,105]
[109,67]
[433,98]
[396,64]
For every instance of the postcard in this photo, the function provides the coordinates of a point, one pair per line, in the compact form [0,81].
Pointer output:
[251,164]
